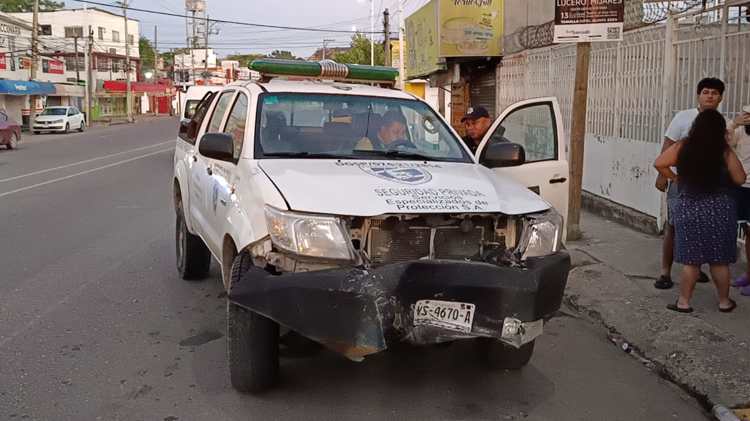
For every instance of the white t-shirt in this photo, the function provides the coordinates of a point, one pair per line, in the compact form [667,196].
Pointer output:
[743,150]
[680,126]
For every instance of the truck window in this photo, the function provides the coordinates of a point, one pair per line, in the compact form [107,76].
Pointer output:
[201,109]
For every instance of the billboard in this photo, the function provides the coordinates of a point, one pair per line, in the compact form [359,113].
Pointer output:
[452,28]
[589,20]
[53,66]
[422,41]
[396,54]
[471,28]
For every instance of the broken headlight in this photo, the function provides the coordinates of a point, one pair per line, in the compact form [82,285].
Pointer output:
[309,235]
[541,235]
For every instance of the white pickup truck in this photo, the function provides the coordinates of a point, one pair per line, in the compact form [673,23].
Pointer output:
[355,216]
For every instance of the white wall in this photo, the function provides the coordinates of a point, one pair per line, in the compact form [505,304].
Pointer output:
[85,18]
[183,60]
[621,170]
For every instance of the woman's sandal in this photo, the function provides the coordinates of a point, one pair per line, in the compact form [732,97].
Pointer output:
[730,308]
[674,307]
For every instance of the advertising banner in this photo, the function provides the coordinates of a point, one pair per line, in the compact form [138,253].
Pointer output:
[589,20]
[53,66]
[422,41]
[471,28]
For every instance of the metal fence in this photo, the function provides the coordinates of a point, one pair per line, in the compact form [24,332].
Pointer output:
[637,85]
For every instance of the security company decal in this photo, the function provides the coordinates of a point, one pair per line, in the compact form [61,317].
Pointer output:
[430,199]
[398,172]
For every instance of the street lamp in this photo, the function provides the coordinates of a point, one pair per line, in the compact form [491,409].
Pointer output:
[148,75]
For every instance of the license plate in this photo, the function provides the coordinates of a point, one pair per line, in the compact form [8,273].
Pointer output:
[445,314]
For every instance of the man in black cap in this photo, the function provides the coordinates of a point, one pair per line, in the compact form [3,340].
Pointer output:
[477,122]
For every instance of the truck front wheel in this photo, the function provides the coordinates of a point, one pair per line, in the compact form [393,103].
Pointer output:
[252,341]
[193,257]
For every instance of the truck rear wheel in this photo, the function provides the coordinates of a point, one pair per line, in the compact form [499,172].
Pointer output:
[252,341]
[499,355]
[193,257]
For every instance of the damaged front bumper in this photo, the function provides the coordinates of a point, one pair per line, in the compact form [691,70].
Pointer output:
[358,312]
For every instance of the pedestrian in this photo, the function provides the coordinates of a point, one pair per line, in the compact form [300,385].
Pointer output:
[742,137]
[477,123]
[704,211]
[709,92]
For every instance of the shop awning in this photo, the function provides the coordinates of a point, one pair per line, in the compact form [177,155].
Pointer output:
[25,87]
[69,90]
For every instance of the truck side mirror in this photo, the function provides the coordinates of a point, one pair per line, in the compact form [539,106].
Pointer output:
[503,154]
[218,146]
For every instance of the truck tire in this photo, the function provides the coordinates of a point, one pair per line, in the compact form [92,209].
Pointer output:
[498,355]
[193,257]
[252,342]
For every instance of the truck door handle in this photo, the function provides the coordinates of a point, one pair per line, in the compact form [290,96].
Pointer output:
[558,180]
[195,158]
[209,171]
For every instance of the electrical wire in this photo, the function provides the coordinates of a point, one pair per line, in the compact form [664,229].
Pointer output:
[259,25]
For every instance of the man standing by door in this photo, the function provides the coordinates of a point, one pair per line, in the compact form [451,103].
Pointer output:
[710,92]
[477,122]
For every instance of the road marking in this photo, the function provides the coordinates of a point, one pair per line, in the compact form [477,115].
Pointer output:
[4,180]
[84,172]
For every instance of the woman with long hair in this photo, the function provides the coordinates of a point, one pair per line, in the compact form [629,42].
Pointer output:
[705,214]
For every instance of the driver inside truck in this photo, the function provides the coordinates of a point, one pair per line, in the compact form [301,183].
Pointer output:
[390,134]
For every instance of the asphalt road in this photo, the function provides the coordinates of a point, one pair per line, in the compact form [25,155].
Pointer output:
[95,324]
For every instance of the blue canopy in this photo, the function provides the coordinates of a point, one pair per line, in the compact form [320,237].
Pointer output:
[25,87]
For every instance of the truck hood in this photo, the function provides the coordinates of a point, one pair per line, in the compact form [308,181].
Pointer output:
[371,188]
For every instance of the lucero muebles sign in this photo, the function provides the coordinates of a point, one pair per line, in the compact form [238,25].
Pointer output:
[589,20]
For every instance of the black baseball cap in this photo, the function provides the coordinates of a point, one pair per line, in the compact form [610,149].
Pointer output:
[475,113]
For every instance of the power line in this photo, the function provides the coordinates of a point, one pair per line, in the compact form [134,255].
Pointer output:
[259,25]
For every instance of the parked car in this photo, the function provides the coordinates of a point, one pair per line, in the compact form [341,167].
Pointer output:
[10,131]
[355,216]
[59,119]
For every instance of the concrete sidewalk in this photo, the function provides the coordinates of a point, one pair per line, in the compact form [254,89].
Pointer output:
[706,352]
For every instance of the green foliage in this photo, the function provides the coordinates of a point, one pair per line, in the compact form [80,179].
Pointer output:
[287,55]
[146,52]
[359,53]
[14,6]
[244,59]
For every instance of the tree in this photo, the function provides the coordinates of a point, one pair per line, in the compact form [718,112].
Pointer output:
[244,59]
[282,54]
[359,53]
[15,6]
[146,52]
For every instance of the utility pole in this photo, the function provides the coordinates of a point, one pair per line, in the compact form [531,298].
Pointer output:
[34,58]
[205,56]
[372,32]
[87,59]
[401,46]
[128,93]
[578,138]
[156,52]
[78,70]
[387,37]
[325,41]
[192,52]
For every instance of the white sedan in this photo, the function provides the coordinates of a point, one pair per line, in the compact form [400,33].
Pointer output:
[59,119]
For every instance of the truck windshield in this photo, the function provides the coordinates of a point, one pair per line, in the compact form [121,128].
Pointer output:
[352,127]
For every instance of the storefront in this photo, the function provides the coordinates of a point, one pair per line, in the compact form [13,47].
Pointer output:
[71,95]
[14,97]
[148,98]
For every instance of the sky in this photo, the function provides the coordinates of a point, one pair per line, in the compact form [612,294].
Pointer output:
[346,15]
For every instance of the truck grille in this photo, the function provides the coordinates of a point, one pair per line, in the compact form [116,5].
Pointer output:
[393,242]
